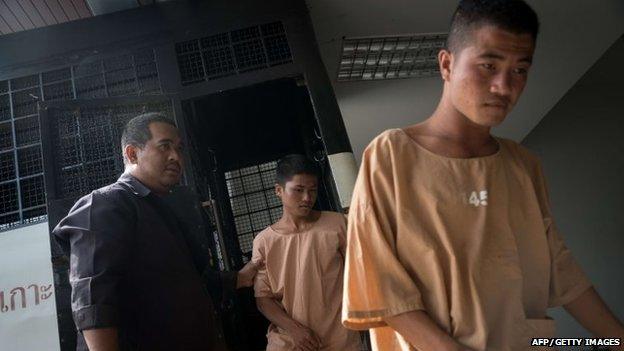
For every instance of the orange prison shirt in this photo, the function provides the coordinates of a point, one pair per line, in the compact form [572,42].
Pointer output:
[303,271]
[470,241]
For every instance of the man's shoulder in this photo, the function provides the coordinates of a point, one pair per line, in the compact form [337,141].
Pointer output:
[388,136]
[113,189]
[111,195]
[335,218]
[385,144]
[262,236]
[109,203]
[116,192]
[519,152]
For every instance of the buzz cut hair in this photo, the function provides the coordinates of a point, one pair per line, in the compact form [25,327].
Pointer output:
[514,16]
[293,164]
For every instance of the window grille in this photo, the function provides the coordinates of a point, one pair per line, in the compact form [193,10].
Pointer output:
[86,144]
[254,204]
[22,191]
[233,53]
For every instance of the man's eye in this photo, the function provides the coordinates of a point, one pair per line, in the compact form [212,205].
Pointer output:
[521,71]
[487,66]
[164,146]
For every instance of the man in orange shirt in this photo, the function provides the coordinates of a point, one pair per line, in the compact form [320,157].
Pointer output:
[300,287]
[451,241]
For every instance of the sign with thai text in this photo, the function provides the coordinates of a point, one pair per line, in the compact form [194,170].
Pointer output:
[27,302]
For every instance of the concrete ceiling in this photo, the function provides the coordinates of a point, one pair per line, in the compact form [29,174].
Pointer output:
[574,34]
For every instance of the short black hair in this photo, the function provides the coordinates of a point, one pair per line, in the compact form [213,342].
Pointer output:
[515,16]
[293,164]
[137,133]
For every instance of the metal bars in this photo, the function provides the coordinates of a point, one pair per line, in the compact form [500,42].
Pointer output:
[22,191]
[254,203]
[231,53]
[85,142]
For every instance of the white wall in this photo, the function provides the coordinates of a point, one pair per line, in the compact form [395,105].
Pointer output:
[581,144]
[25,263]
[369,108]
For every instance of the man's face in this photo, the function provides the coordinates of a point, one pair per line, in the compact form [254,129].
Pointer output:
[298,195]
[486,77]
[159,163]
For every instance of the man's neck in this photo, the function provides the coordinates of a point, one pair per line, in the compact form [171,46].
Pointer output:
[449,123]
[294,223]
[449,133]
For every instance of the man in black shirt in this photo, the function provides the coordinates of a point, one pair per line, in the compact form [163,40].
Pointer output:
[135,285]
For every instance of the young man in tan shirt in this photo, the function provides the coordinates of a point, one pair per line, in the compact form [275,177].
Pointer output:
[300,287]
[451,242]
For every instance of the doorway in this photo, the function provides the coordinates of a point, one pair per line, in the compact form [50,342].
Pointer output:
[236,138]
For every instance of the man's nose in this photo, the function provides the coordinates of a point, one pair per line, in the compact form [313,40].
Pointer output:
[307,196]
[501,84]
[175,155]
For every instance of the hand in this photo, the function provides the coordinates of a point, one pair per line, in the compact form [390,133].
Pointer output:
[247,273]
[304,338]
[102,339]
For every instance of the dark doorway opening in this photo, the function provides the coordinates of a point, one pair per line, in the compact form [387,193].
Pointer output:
[235,139]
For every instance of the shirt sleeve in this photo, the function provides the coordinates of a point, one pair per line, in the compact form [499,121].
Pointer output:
[262,285]
[376,284]
[99,232]
[567,279]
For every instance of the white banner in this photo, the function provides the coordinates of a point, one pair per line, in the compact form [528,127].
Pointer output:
[27,302]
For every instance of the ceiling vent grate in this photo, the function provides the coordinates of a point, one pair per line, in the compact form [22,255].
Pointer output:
[231,53]
[377,58]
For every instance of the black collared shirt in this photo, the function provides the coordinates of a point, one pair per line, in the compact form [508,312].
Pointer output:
[131,268]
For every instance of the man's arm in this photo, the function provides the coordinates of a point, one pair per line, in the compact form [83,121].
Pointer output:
[245,277]
[223,285]
[304,338]
[422,332]
[97,225]
[592,313]
[104,339]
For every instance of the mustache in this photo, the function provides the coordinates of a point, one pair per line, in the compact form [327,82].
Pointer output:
[174,165]
[498,100]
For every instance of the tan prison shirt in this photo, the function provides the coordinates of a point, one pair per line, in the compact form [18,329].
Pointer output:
[470,241]
[303,272]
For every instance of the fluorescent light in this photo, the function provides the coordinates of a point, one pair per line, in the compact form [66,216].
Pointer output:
[390,57]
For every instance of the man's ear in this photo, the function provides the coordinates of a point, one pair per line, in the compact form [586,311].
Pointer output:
[445,62]
[131,153]
[279,190]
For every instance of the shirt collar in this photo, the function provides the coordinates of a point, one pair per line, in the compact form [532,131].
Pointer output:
[134,184]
